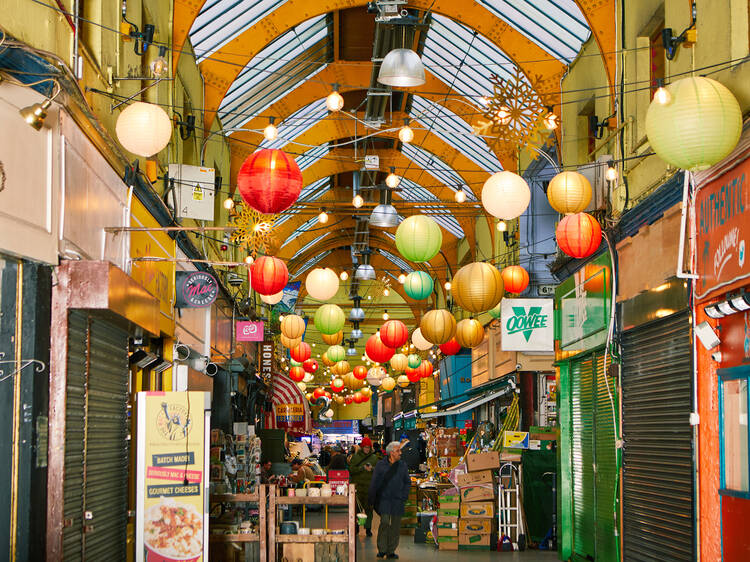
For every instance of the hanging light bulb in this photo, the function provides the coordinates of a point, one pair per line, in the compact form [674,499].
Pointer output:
[447,285]
[249,260]
[385,315]
[611,173]
[160,66]
[460,196]
[405,133]
[662,95]
[386,292]
[550,121]
[271,132]
[334,101]
[228,203]
[323,217]
[502,226]
[402,277]
[392,180]
[358,201]
[344,276]
[503,115]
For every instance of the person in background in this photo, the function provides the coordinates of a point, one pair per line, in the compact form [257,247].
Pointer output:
[389,490]
[325,456]
[265,473]
[378,449]
[338,460]
[300,472]
[360,467]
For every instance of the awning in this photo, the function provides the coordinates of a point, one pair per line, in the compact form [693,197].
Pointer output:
[290,409]
[469,404]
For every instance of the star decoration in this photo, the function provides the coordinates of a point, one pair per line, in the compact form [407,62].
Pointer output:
[253,229]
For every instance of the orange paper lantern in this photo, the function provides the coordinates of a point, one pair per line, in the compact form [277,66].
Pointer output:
[269,181]
[360,372]
[301,353]
[515,278]
[393,333]
[377,351]
[268,275]
[578,235]
[297,374]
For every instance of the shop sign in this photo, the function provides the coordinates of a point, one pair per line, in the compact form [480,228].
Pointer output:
[249,331]
[516,439]
[195,289]
[265,360]
[722,207]
[350,427]
[290,416]
[171,476]
[527,324]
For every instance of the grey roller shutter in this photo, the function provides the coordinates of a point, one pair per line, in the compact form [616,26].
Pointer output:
[658,452]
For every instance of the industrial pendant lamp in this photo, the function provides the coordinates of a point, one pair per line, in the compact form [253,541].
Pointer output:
[384,216]
[365,272]
[402,68]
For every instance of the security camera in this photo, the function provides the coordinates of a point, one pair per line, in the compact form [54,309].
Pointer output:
[707,335]
[716,356]
[519,366]
[181,352]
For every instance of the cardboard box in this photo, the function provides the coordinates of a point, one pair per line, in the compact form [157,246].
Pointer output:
[471,539]
[450,505]
[480,492]
[447,521]
[475,526]
[448,543]
[454,512]
[483,461]
[480,477]
[446,532]
[478,509]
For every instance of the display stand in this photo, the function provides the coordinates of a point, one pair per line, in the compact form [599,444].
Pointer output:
[274,538]
[259,536]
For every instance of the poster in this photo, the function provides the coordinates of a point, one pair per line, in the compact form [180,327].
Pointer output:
[527,324]
[171,518]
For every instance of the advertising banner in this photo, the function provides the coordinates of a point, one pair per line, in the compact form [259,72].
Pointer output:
[290,416]
[527,324]
[172,488]
[249,331]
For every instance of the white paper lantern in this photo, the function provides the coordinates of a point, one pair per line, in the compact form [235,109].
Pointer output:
[505,195]
[375,376]
[302,386]
[272,299]
[322,283]
[308,378]
[144,128]
[419,340]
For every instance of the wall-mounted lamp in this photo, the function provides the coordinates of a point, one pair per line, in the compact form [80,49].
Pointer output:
[142,39]
[671,42]
[733,305]
[596,127]
[160,66]
[186,126]
[34,114]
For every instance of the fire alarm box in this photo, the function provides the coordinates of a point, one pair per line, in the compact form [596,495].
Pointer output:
[195,190]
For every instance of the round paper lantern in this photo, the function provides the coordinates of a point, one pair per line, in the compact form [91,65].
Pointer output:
[578,235]
[366,391]
[297,374]
[418,285]
[310,366]
[477,287]
[451,347]
[399,362]
[469,332]
[308,377]
[569,192]
[360,372]
[358,398]
[425,369]
[597,277]
[290,343]
[419,340]
[388,384]
[393,333]
[333,339]
[375,376]
[336,353]
[403,381]
[301,353]
[438,326]
[293,326]
[318,392]
[413,375]
[414,360]
[337,384]
[322,283]
[348,400]
[515,278]
[326,360]
[496,311]
[302,386]
[341,368]
[309,396]
[338,399]
[505,195]
[376,350]
[272,299]
[269,181]
[700,126]
[268,275]
[143,128]
[329,319]
[353,382]
[418,238]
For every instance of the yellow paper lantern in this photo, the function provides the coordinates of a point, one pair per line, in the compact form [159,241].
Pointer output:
[388,384]
[569,192]
[333,339]
[438,326]
[399,362]
[144,128]
[293,326]
[366,391]
[341,368]
[477,287]
[291,343]
[338,399]
[403,381]
[353,382]
[469,332]
[326,361]
[419,340]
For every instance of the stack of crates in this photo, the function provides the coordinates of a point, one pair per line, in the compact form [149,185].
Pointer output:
[409,520]
[477,488]
[447,527]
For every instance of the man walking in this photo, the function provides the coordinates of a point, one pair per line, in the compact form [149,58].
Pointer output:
[389,491]
[361,468]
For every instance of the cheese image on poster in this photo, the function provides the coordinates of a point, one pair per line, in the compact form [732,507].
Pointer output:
[171,469]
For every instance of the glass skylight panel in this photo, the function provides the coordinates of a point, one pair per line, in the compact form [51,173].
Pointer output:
[415,192]
[315,190]
[455,131]
[297,123]
[310,264]
[311,156]
[310,244]
[220,21]
[278,69]
[435,167]
[301,230]
[557,26]
[397,261]
[288,214]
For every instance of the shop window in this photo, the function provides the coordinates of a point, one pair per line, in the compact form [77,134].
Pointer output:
[734,434]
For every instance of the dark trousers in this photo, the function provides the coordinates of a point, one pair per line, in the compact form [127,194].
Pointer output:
[389,533]
[365,504]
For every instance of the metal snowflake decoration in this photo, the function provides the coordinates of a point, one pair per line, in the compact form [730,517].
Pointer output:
[252,229]
[513,117]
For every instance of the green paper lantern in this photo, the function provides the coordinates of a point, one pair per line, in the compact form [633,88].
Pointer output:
[414,360]
[698,126]
[329,319]
[418,238]
[336,353]
[418,285]
[294,363]
[495,312]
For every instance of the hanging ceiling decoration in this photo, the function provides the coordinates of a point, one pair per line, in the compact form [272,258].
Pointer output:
[269,181]
[253,230]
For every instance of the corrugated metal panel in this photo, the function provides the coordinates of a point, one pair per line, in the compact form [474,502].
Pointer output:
[606,464]
[582,456]
[658,455]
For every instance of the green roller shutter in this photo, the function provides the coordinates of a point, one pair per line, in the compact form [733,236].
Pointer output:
[582,456]
[606,464]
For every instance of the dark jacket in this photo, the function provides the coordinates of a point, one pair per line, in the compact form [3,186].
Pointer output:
[395,492]
[338,462]
[359,476]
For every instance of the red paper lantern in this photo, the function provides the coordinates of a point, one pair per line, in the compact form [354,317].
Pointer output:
[515,278]
[451,347]
[358,396]
[318,392]
[377,351]
[297,374]
[365,398]
[360,372]
[269,181]
[394,334]
[413,374]
[327,394]
[301,353]
[268,275]
[578,235]
[311,365]
[349,399]
[337,385]
[425,369]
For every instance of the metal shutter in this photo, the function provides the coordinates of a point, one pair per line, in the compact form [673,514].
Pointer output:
[582,456]
[96,444]
[658,453]
[606,464]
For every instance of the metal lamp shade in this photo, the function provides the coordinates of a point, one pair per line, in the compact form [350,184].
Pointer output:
[384,216]
[402,68]
[356,333]
[356,314]
[365,272]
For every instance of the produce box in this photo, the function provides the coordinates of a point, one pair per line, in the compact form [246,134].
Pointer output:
[473,539]
[454,497]
[447,461]
[478,509]
[446,532]
[476,526]
[483,461]
[480,477]
[447,543]
[479,492]
[452,512]
[447,522]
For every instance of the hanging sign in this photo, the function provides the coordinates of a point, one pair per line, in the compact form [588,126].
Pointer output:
[249,331]
[265,360]
[195,289]
[171,484]
[527,324]
[290,416]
